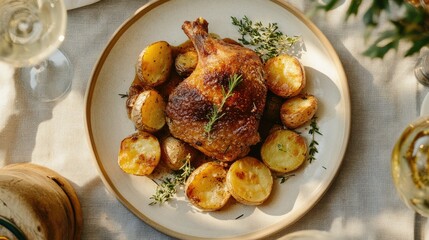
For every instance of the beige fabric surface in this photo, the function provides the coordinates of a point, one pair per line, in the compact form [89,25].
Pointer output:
[72,4]
[361,202]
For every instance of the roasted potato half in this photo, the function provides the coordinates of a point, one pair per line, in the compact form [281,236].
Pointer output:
[298,110]
[284,151]
[133,91]
[249,181]
[154,63]
[139,153]
[186,63]
[285,75]
[147,111]
[206,187]
[174,152]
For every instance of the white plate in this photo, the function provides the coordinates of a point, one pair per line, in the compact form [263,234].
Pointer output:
[107,122]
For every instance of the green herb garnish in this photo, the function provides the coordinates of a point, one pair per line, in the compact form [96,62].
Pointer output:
[123,95]
[267,40]
[168,186]
[280,147]
[314,129]
[284,178]
[216,112]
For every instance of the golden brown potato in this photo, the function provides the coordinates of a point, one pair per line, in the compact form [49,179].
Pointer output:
[174,152]
[184,47]
[298,110]
[130,103]
[133,91]
[147,113]
[186,62]
[154,63]
[285,75]
[249,181]
[284,151]
[139,154]
[137,82]
[206,187]
[187,58]
[276,127]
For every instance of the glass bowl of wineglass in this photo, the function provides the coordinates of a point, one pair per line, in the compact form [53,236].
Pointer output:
[410,165]
[30,33]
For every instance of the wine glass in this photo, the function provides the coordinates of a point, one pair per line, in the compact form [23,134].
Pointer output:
[410,170]
[410,165]
[30,34]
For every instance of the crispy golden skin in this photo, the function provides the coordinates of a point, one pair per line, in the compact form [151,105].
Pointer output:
[192,101]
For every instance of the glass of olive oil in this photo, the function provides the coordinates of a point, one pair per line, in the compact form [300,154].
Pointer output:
[410,166]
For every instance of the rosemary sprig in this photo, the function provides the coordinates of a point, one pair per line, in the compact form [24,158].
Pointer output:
[268,41]
[168,186]
[314,129]
[216,112]
[213,117]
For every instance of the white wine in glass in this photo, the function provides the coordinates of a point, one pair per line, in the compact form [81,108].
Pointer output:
[30,33]
[410,166]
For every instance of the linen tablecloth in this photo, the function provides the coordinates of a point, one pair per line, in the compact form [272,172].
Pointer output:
[72,4]
[361,203]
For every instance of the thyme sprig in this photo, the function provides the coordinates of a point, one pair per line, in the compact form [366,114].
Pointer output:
[284,178]
[216,112]
[168,187]
[268,41]
[314,129]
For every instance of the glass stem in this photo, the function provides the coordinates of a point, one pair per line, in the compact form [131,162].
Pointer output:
[419,226]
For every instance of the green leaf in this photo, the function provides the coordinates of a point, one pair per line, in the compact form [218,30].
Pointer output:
[353,8]
[389,34]
[417,45]
[368,17]
[399,2]
[330,5]
[375,51]
[414,15]
[410,26]
[380,4]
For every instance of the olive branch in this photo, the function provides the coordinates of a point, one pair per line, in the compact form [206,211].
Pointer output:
[412,26]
